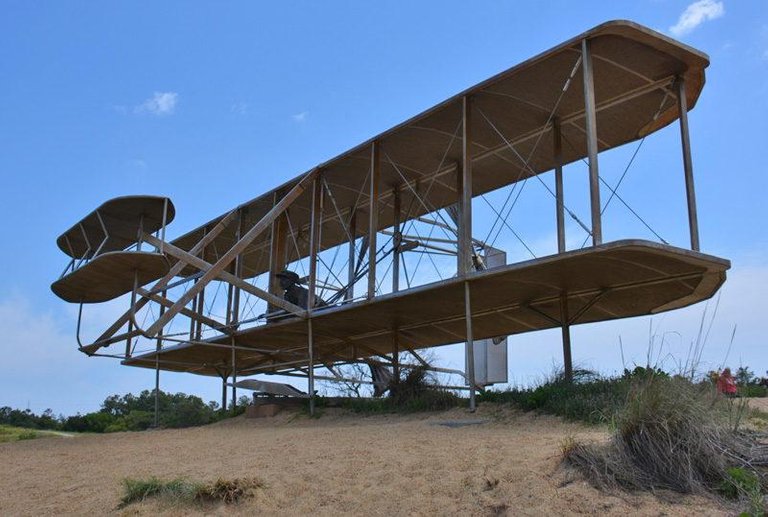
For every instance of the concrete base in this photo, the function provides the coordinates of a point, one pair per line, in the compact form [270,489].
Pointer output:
[262,411]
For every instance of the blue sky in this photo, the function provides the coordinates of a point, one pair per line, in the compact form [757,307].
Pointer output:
[212,104]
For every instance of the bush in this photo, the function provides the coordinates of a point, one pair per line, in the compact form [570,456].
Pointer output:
[414,393]
[89,423]
[588,398]
[671,434]
[181,491]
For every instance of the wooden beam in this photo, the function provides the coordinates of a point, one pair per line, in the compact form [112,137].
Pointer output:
[685,139]
[316,216]
[233,252]
[373,216]
[465,194]
[277,255]
[557,143]
[397,238]
[350,294]
[166,303]
[592,150]
[175,270]
[199,263]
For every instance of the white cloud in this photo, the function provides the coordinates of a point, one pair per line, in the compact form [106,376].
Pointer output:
[300,117]
[695,14]
[239,108]
[160,104]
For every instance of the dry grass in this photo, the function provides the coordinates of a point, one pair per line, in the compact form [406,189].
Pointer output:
[673,435]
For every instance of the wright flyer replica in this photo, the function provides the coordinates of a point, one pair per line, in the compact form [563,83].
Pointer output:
[314,274]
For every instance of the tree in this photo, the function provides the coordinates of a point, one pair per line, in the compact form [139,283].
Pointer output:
[744,376]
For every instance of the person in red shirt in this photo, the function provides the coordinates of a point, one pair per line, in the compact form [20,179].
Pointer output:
[726,384]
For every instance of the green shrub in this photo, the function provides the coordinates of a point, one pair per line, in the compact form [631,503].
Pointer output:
[588,398]
[738,482]
[753,390]
[181,491]
[27,435]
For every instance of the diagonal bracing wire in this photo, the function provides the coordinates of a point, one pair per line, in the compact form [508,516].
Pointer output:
[532,172]
[564,89]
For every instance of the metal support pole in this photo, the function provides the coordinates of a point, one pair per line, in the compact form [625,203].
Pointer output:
[224,393]
[191,320]
[397,238]
[234,375]
[157,367]
[465,193]
[277,255]
[566,329]
[350,294]
[470,347]
[682,107]
[314,244]
[465,249]
[591,129]
[201,312]
[558,148]
[311,373]
[129,341]
[373,217]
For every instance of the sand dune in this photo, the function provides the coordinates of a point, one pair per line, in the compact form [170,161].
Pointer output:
[336,464]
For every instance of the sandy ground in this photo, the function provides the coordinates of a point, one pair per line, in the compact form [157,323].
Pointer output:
[335,464]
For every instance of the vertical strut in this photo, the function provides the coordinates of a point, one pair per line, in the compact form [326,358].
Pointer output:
[373,217]
[224,393]
[314,244]
[465,250]
[396,280]
[566,329]
[591,122]
[350,293]
[277,255]
[157,365]
[465,192]
[559,194]
[470,347]
[682,107]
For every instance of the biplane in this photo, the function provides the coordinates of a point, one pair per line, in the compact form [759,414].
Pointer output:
[213,302]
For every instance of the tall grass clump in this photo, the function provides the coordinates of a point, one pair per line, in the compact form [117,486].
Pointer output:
[588,398]
[676,435]
[181,491]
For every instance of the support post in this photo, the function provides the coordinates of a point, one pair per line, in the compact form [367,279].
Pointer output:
[129,341]
[277,256]
[559,194]
[591,130]
[682,107]
[566,330]
[465,249]
[224,393]
[234,374]
[373,217]
[465,192]
[397,238]
[350,294]
[200,312]
[470,347]
[314,244]
[157,367]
